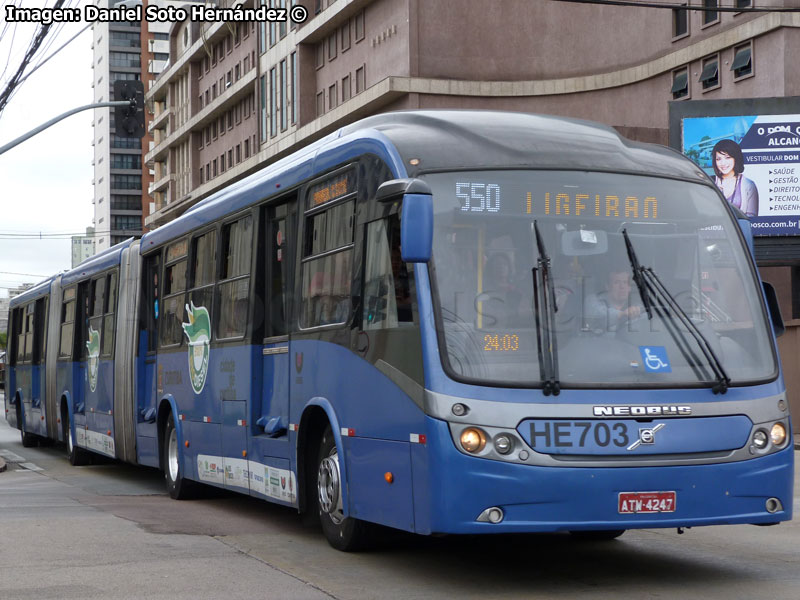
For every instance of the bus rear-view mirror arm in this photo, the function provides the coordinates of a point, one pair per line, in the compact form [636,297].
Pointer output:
[416,218]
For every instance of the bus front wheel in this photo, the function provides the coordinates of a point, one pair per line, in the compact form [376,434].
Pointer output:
[343,533]
[178,487]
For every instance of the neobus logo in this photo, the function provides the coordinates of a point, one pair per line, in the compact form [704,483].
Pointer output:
[642,411]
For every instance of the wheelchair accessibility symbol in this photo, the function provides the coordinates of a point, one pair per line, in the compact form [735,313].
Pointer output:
[655,359]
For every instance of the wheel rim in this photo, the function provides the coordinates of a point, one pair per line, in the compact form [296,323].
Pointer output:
[329,487]
[69,439]
[172,455]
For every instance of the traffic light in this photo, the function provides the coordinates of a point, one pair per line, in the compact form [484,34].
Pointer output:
[129,120]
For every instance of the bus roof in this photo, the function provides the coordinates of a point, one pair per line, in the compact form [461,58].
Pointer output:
[40,289]
[95,264]
[442,140]
[456,139]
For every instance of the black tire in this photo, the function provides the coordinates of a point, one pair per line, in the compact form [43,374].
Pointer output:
[178,487]
[343,533]
[28,440]
[597,536]
[77,456]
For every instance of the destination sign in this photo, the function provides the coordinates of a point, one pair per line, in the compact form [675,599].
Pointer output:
[484,197]
[332,189]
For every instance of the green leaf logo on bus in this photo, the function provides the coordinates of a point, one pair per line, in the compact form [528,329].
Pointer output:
[198,330]
[93,346]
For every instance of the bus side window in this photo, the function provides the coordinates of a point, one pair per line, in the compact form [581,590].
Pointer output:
[388,281]
[67,327]
[108,315]
[234,285]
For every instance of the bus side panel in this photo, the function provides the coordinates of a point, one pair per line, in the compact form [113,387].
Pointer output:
[379,481]
[368,405]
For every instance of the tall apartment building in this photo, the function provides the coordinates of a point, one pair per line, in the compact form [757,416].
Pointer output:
[238,96]
[117,158]
[123,50]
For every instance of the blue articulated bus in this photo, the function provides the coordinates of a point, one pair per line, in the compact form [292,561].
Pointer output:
[438,321]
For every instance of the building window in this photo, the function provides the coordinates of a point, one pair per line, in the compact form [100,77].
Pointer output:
[344,34]
[283,98]
[680,22]
[263,107]
[346,88]
[710,15]
[709,78]
[680,83]
[332,46]
[282,24]
[273,101]
[361,79]
[320,104]
[238,153]
[222,163]
[247,148]
[295,90]
[742,65]
[320,55]
[333,100]
[359,26]
[743,3]
[230,158]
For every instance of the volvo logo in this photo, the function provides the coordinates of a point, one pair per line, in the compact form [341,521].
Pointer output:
[647,436]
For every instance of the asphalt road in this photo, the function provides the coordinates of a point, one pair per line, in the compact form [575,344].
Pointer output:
[110,531]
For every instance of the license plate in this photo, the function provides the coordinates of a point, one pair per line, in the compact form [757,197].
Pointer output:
[646,502]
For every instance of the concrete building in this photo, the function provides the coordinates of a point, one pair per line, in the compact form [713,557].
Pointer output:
[82,247]
[353,58]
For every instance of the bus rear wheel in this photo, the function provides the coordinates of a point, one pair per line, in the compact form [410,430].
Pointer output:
[343,533]
[178,487]
[28,439]
[76,456]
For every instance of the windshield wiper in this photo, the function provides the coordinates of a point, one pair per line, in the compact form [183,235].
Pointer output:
[544,301]
[670,311]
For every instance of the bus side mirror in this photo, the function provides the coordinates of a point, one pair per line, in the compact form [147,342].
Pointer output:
[744,225]
[416,218]
[771,296]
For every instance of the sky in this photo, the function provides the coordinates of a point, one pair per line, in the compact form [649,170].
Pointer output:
[46,182]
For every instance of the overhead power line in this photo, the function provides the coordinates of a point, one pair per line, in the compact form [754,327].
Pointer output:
[683,6]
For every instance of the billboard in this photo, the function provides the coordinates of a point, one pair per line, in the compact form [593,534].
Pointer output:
[755,161]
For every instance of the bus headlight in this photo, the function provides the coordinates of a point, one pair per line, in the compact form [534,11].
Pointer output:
[473,440]
[760,439]
[503,443]
[778,434]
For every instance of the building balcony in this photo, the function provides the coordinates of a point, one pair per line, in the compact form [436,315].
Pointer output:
[159,120]
[160,184]
[210,112]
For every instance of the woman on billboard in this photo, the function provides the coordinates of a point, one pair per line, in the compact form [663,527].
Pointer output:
[728,165]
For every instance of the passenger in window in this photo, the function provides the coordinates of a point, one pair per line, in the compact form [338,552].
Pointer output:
[610,309]
[502,301]
[728,163]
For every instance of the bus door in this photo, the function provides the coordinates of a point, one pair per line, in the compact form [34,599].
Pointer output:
[80,363]
[272,414]
[232,363]
[146,358]
[38,367]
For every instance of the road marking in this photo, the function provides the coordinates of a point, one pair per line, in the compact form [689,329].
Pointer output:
[11,457]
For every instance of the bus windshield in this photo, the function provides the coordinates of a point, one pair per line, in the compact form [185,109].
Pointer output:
[485,250]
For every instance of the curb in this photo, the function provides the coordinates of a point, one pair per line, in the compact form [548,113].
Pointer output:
[3,465]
